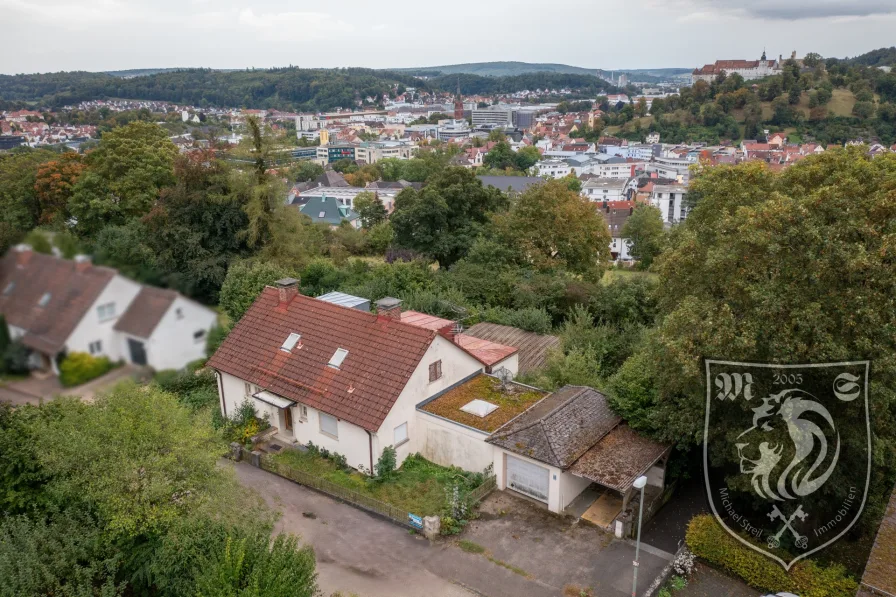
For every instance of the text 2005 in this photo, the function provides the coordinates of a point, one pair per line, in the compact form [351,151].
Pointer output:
[787,378]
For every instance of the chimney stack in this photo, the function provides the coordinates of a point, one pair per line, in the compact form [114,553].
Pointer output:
[23,254]
[82,263]
[389,307]
[288,289]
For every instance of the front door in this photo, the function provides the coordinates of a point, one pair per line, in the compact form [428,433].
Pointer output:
[287,419]
[138,351]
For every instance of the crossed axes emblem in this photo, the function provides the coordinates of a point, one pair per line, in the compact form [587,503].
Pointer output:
[774,541]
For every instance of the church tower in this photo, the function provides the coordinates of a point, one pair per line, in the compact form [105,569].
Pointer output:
[458,103]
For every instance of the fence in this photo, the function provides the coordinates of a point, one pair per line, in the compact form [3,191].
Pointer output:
[337,491]
[478,494]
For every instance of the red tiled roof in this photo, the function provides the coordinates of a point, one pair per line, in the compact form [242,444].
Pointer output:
[424,320]
[382,355]
[485,351]
[71,294]
[145,311]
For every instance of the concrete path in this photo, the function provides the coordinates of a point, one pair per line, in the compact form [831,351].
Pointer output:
[666,530]
[361,553]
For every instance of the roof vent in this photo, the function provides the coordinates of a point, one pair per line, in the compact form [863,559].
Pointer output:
[479,408]
[291,342]
[337,358]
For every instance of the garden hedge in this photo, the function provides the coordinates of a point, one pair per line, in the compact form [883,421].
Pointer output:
[708,540]
[79,367]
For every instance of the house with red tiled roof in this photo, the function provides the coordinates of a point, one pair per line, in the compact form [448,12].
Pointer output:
[57,306]
[343,378]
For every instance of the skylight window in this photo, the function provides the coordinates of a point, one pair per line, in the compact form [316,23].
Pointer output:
[44,300]
[322,214]
[337,358]
[9,288]
[290,342]
[480,408]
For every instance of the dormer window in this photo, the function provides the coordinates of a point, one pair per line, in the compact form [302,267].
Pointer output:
[290,342]
[337,358]
[44,300]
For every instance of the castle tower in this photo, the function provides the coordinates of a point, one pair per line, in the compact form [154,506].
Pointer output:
[458,103]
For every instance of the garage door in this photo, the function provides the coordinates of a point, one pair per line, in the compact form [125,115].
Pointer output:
[527,478]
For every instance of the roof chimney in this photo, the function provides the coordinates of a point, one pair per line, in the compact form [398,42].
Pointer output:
[288,289]
[82,263]
[389,307]
[23,254]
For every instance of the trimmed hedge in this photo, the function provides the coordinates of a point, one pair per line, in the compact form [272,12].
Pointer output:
[79,367]
[708,540]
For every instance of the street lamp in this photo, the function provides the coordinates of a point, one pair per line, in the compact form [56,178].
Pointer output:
[639,483]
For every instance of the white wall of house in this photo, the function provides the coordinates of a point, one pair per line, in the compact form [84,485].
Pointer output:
[563,488]
[456,365]
[450,444]
[119,291]
[352,441]
[621,246]
[511,363]
[176,340]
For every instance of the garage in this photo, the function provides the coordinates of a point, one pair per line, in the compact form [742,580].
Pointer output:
[529,479]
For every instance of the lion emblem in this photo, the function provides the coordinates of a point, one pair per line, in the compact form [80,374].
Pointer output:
[763,448]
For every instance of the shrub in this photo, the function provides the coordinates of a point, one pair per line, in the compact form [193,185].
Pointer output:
[79,367]
[708,540]
[15,358]
[385,465]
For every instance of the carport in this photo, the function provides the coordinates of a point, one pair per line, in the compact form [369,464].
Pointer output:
[613,463]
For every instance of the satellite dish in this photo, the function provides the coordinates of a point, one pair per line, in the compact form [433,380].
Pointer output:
[505,375]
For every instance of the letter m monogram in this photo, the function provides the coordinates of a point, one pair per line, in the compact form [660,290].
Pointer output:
[730,385]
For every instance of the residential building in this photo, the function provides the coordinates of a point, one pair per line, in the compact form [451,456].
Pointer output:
[609,189]
[553,168]
[346,380]
[616,214]
[58,306]
[328,210]
[670,199]
[672,168]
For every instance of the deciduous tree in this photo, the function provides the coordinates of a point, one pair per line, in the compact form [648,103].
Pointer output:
[644,229]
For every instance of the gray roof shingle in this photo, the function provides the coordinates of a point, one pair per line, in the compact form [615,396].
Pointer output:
[560,428]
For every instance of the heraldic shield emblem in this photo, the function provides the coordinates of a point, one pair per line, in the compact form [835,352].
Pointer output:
[787,453]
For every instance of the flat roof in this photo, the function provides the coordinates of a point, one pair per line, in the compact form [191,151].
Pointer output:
[511,403]
[343,300]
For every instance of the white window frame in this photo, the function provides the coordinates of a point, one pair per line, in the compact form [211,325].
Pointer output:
[400,435]
[325,417]
[106,311]
[303,412]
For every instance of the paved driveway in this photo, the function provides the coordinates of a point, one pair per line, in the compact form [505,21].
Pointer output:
[33,390]
[533,553]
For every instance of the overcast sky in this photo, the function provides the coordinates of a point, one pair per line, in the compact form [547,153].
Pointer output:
[96,35]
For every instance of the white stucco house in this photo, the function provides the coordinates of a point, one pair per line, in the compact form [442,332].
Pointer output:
[57,306]
[340,377]
[670,199]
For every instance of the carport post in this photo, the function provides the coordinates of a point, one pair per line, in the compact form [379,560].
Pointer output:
[639,483]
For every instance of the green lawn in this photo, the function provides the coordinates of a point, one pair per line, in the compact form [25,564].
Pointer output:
[611,275]
[419,486]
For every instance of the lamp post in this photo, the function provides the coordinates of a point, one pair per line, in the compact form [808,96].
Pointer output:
[639,483]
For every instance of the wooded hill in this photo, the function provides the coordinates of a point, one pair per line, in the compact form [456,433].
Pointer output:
[282,88]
